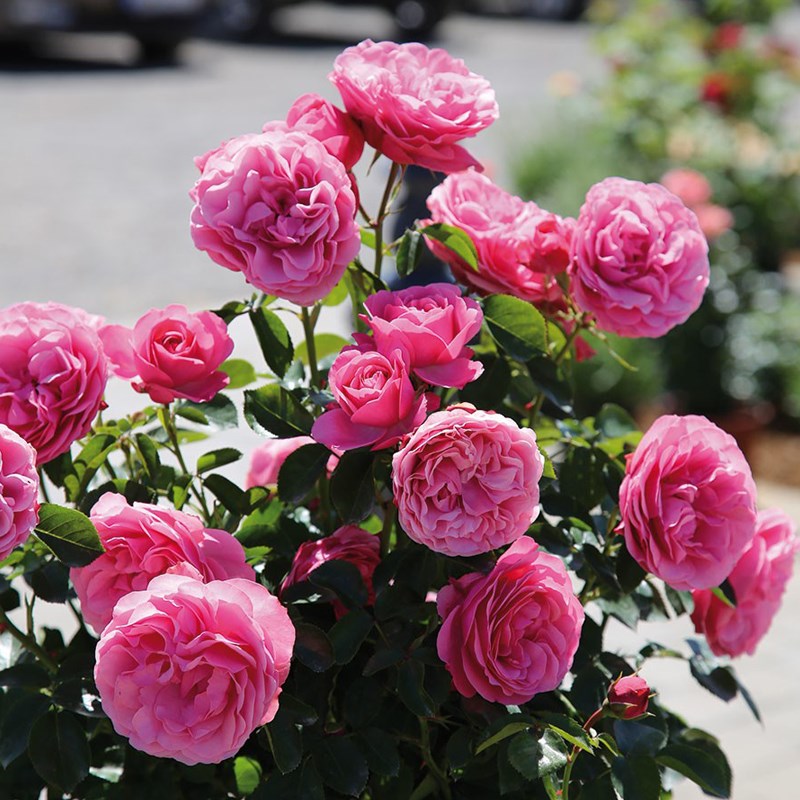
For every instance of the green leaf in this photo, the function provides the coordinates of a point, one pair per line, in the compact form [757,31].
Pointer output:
[706,766]
[490,389]
[326,344]
[20,712]
[638,738]
[285,742]
[636,778]
[301,470]
[368,238]
[341,765]
[247,773]
[383,659]
[533,758]
[455,240]
[227,492]
[25,676]
[85,466]
[312,647]
[59,751]
[217,458]
[504,733]
[411,688]
[274,340]
[348,634]
[220,410]
[337,295]
[69,534]
[516,326]
[343,579]
[231,310]
[614,421]
[409,252]
[380,749]
[273,409]
[353,485]
[241,372]
[50,582]
[568,729]
[148,450]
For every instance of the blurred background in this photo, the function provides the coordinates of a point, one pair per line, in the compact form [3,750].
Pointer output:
[104,104]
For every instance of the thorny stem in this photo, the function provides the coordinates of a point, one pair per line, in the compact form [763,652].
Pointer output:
[573,756]
[383,210]
[28,642]
[430,762]
[389,515]
[43,486]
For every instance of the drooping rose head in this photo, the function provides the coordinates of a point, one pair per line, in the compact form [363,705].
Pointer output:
[691,186]
[278,207]
[171,353]
[349,543]
[53,373]
[511,634]
[19,490]
[467,481]
[338,131]
[687,502]
[142,541]
[521,248]
[414,104]
[628,697]
[432,325]
[188,670]
[759,580]
[377,403]
[639,258]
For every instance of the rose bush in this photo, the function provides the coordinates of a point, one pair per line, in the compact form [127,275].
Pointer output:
[410,594]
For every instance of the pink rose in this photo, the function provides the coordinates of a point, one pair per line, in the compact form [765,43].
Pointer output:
[759,580]
[467,481]
[349,543]
[691,186]
[337,130]
[639,258]
[629,697]
[713,220]
[267,459]
[278,207]
[377,403]
[142,541]
[521,248]
[188,670]
[173,352]
[53,374]
[19,490]
[432,325]
[687,502]
[513,633]
[414,104]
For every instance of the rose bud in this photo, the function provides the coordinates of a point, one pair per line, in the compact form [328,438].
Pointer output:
[628,697]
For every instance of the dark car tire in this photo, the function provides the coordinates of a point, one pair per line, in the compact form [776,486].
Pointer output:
[418,18]
[563,10]
[158,50]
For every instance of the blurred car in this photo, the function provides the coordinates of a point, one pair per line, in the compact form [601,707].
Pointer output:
[245,19]
[562,10]
[159,25]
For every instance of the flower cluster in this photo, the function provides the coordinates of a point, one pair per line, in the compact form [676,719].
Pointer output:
[407,566]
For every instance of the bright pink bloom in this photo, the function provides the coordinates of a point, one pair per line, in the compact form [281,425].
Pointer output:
[467,481]
[639,258]
[278,207]
[173,353]
[521,248]
[53,373]
[714,220]
[19,490]
[759,580]
[689,185]
[511,634]
[349,543]
[188,670]
[414,104]
[432,325]
[687,502]
[377,403]
[629,697]
[337,130]
[142,541]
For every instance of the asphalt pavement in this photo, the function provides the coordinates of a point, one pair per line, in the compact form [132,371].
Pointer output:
[95,168]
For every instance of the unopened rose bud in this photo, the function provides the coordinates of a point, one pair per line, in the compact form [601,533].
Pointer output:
[628,697]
